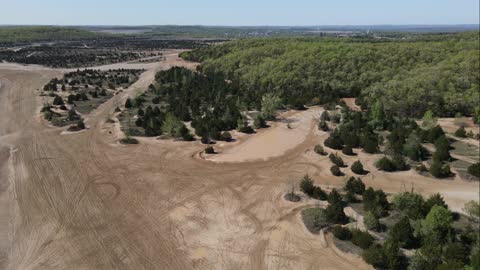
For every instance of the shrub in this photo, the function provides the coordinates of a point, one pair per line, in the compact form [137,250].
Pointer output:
[410,203]
[355,185]
[72,115]
[474,169]
[314,219]
[402,233]
[385,164]
[319,150]
[226,136]
[205,140]
[435,199]
[362,239]
[442,149]
[259,122]
[80,124]
[342,233]
[128,103]
[336,160]
[334,141]
[434,133]
[437,223]
[335,118]
[374,256]
[128,140]
[188,137]
[334,197]
[292,197]
[370,146]
[399,163]
[357,167]
[58,100]
[322,125]
[347,150]
[334,214]
[350,197]
[472,209]
[209,150]
[319,194]
[375,201]
[335,170]
[439,170]
[306,185]
[139,122]
[325,116]
[246,130]
[386,257]
[371,222]
[461,132]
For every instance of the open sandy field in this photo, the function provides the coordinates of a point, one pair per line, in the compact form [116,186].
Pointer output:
[83,201]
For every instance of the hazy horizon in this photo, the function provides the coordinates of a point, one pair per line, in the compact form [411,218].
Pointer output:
[244,13]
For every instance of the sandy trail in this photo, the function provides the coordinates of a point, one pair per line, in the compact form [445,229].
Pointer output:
[82,201]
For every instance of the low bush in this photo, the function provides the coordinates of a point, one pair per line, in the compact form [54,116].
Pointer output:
[371,222]
[347,150]
[314,219]
[357,167]
[319,194]
[335,170]
[440,170]
[474,169]
[306,185]
[128,140]
[362,239]
[335,159]
[385,164]
[226,136]
[461,132]
[247,130]
[342,233]
[209,150]
[319,150]
[322,125]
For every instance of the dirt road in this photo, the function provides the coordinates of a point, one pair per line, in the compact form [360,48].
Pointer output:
[83,201]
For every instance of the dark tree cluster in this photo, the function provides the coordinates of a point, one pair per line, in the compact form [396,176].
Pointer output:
[209,101]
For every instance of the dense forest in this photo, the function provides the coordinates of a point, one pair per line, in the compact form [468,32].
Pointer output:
[429,72]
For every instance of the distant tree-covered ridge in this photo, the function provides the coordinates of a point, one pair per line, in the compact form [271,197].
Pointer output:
[13,34]
[408,76]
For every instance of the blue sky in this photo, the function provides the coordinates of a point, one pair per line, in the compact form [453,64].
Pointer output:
[239,12]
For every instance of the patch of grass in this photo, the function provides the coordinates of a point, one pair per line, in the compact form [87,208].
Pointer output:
[314,219]
[466,150]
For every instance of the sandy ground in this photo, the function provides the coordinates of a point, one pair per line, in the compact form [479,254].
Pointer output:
[83,201]
[284,135]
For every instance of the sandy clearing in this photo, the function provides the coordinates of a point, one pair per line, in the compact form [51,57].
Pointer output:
[351,104]
[83,201]
[271,142]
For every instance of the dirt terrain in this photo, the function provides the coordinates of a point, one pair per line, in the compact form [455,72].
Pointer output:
[83,201]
